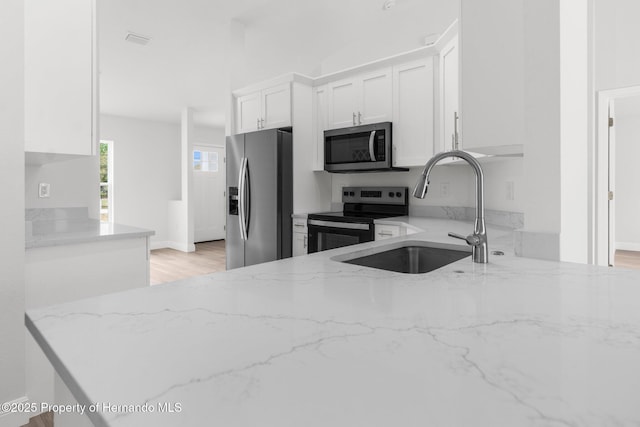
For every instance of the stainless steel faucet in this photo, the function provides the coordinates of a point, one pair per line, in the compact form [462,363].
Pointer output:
[477,240]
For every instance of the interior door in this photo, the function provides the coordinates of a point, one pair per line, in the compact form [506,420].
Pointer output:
[209,191]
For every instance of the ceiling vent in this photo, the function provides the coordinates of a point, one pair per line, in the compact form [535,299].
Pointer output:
[137,38]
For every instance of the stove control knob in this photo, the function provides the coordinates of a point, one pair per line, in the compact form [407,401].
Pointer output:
[351,193]
[398,194]
[346,193]
[391,194]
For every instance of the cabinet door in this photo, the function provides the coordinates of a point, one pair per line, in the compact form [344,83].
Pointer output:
[413,113]
[492,97]
[299,244]
[374,104]
[276,107]
[60,77]
[248,113]
[448,96]
[342,107]
[319,125]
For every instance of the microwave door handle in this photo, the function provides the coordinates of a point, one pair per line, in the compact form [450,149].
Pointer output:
[371,151]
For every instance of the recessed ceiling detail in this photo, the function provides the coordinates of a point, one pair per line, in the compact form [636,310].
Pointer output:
[137,38]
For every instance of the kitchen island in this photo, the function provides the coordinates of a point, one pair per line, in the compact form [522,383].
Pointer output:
[310,341]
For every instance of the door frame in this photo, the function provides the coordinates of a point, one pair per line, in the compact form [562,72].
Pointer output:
[605,170]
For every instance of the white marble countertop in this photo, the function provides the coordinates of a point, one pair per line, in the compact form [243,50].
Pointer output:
[310,341]
[73,231]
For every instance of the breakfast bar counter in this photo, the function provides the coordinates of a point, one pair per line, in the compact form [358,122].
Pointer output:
[311,341]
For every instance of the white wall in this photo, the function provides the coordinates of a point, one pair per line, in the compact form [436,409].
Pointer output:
[74,183]
[627,190]
[397,30]
[12,331]
[146,171]
[617,43]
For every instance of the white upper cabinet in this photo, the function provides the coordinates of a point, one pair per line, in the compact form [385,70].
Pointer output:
[343,104]
[248,113]
[375,101]
[61,106]
[413,112]
[493,109]
[276,106]
[449,93]
[319,125]
[359,100]
[265,109]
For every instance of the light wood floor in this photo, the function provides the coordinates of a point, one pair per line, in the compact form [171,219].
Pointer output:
[42,420]
[627,259]
[168,265]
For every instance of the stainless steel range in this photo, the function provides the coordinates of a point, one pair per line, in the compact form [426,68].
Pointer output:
[362,205]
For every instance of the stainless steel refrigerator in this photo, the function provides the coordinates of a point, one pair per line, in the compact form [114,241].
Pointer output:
[259,197]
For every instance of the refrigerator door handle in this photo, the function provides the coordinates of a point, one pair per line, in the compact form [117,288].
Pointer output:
[241,199]
[247,195]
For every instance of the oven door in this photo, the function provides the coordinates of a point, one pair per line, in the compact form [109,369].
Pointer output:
[325,235]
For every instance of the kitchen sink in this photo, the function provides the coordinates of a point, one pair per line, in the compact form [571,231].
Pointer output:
[411,257]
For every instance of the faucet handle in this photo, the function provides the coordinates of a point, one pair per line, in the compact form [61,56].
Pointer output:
[471,239]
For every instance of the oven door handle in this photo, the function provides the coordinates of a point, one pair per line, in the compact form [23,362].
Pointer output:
[335,224]
[372,154]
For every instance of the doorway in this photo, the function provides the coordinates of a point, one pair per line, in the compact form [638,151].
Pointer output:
[106,181]
[209,175]
[618,204]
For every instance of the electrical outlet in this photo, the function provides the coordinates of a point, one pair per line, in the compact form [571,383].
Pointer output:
[444,189]
[510,193]
[44,190]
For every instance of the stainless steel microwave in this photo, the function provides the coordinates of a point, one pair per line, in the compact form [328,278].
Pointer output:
[366,148]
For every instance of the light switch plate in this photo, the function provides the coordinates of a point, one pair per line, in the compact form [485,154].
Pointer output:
[44,190]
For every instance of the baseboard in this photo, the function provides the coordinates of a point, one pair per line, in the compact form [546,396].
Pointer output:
[13,419]
[158,245]
[184,247]
[627,246]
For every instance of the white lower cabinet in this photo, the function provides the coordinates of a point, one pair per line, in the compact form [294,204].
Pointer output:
[384,231]
[300,239]
[59,274]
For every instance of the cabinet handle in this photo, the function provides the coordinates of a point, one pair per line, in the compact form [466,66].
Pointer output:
[354,119]
[258,123]
[298,225]
[385,233]
[305,242]
[455,130]
[261,123]
[359,118]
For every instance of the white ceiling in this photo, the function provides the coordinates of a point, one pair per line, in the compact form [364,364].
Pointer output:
[185,62]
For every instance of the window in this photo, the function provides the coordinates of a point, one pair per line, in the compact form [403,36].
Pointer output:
[205,161]
[106,181]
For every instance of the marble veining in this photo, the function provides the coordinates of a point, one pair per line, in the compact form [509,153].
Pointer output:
[314,342]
